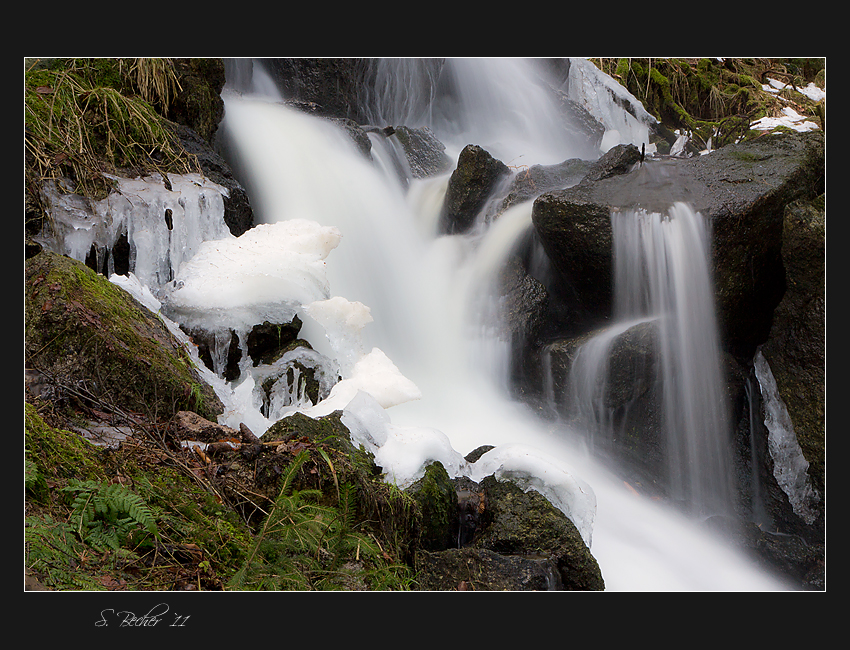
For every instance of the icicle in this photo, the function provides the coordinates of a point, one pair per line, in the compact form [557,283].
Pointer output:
[789,465]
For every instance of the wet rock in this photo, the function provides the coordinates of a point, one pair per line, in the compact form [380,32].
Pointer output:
[796,346]
[267,341]
[799,562]
[425,154]
[522,312]
[512,540]
[438,502]
[330,85]
[630,407]
[741,190]
[475,569]
[357,134]
[574,230]
[618,160]
[533,181]
[473,181]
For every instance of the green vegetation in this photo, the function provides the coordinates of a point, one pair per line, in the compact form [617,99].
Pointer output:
[79,326]
[149,516]
[87,117]
[716,100]
[306,545]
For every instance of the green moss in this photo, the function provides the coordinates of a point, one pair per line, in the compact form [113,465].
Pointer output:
[55,455]
[86,116]
[438,504]
[708,98]
[81,326]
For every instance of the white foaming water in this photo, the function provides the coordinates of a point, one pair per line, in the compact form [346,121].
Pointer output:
[437,403]
[498,104]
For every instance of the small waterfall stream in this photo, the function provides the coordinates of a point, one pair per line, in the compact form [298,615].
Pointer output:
[662,270]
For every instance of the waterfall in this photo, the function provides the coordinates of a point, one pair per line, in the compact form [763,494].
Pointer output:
[406,315]
[662,276]
[662,270]
[502,105]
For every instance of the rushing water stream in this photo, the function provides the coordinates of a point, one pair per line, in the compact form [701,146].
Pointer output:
[399,310]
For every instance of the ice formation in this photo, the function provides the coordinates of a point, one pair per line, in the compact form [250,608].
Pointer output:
[625,119]
[164,227]
[265,274]
[343,322]
[790,468]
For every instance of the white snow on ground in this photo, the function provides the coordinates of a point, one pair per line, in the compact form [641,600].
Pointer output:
[789,117]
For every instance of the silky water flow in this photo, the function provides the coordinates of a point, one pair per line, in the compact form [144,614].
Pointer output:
[396,312]
[662,280]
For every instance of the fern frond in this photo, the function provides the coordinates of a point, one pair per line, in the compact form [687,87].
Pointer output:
[106,516]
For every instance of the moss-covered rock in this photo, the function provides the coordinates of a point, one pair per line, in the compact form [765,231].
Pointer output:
[198,103]
[53,455]
[526,523]
[93,337]
[512,540]
[438,504]
[479,569]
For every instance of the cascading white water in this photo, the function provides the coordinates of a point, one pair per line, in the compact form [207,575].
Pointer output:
[424,286]
[418,300]
[662,270]
[502,105]
[662,276]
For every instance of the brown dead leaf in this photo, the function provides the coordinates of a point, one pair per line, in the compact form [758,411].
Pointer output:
[111,583]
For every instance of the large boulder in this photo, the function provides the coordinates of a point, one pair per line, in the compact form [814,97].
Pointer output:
[520,542]
[796,346]
[795,354]
[742,191]
[92,336]
[330,86]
